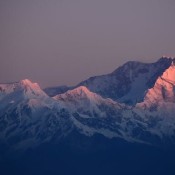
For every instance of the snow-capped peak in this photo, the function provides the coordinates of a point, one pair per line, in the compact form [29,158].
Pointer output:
[31,89]
[26,87]
[82,91]
[79,92]
[81,97]
[163,90]
[27,82]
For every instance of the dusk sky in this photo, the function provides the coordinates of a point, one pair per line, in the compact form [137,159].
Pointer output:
[57,42]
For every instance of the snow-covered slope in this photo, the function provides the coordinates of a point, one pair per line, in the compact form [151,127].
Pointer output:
[24,91]
[163,90]
[29,117]
[92,114]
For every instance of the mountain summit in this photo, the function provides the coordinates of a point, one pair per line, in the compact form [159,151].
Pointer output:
[163,90]
[26,87]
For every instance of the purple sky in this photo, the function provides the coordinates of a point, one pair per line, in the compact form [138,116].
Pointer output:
[56,42]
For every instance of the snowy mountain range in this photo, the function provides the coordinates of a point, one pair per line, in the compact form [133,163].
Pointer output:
[135,103]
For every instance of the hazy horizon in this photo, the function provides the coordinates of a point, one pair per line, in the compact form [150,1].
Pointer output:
[66,41]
